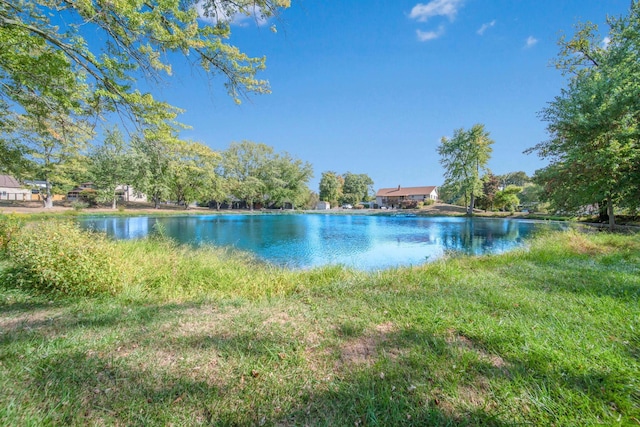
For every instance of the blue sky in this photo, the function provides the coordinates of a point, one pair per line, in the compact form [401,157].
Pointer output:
[372,86]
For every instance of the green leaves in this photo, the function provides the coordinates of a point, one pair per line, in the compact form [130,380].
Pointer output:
[256,174]
[464,157]
[593,123]
[331,187]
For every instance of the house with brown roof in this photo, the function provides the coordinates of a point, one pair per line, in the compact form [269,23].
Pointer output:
[396,196]
[11,189]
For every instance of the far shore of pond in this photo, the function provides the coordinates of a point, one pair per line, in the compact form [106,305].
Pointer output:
[437,209]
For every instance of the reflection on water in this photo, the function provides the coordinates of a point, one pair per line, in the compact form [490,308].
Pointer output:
[304,241]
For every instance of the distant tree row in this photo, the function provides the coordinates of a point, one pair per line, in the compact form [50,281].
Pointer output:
[508,192]
[188,172]
[348,188]
[164,168]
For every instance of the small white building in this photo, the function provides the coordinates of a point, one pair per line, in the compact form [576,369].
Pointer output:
[124,193]
[11,189]
[323,206]
[394,197]
[129,194]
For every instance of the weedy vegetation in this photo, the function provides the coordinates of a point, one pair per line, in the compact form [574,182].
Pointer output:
[148,332]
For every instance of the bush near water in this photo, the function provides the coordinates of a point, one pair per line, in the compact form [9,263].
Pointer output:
[57,257]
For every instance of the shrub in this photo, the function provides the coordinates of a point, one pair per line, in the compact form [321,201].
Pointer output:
[9,226]
[429,202]
[78,206]
[89,196]
[58,257]
[409,204]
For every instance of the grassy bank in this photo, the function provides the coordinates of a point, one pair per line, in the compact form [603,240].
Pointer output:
[548,336]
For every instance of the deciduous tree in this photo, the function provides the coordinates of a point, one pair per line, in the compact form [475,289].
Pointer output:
[594,124]
[465,157]
[64,61]
[111,165]
[356,188]
[331,187]
[191,171]
[106,45]
[490,186]
[507,199]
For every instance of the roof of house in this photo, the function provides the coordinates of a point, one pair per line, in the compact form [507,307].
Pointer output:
[8,181]
[405,191]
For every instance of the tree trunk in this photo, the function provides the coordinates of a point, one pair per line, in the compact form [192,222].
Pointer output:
[48,197]
[114,205]
[470,208]
[612,218]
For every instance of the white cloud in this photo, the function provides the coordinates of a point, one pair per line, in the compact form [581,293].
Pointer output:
[449,8]
[217,12]
[486,26]
[425,36]
[531,41]
[606,42]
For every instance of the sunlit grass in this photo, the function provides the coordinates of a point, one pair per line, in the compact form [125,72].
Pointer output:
[541,336]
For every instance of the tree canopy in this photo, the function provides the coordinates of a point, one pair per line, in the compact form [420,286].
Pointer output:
[255,173]
[465,157]
[355,188]
[331,187]
[594,123]
[53,49]
[65,64]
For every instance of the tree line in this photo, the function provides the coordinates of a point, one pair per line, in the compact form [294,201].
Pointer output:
[66,68]
[346,189]
[186,172]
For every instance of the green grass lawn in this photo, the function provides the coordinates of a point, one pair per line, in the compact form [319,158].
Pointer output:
[544,336]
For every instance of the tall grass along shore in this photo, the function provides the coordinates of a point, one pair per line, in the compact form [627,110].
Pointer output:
[97,332]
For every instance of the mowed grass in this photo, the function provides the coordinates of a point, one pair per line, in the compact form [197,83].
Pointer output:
[544,336]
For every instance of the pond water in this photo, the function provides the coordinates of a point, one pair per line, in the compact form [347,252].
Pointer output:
[367,242]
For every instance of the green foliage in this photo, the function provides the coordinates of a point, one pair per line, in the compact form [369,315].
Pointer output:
[464,157]
[152,157]
[54,80]
[331,187]
[9,226]
[79,205]
[594,124]
[191,171]
[519,179]
[111,165]
[507,199]
[544,336]
[254,173]
[531,197]
[355,188]
[46,57]
[490,186]
[58,258]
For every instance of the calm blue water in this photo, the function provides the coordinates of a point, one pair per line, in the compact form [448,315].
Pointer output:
[305,241]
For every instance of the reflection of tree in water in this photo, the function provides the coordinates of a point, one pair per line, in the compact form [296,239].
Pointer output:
[309,240]
[477,236]
[121,228]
